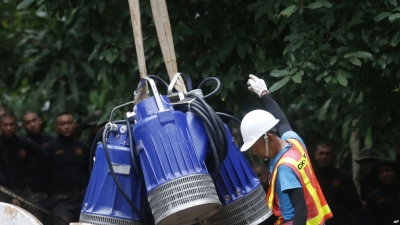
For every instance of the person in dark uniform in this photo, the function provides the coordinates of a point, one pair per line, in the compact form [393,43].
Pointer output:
[20,156]
[69,169]
[368,181]
[32,124]
[338,187]
[3,181]
[383,204]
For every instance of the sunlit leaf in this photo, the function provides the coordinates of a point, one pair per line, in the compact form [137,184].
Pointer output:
[24,4]
[278,85]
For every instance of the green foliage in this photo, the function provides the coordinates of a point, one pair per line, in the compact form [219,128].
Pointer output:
[347,53]
[328,63]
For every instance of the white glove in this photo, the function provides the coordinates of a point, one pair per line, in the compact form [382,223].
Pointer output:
[256,85]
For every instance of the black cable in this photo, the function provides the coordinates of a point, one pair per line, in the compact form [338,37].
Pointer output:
[229,116]
[223,141]
[93,148]
[214,126]
[188,81]
[94,144]
[208,79]
[106,130]
[135,167]
[159,79]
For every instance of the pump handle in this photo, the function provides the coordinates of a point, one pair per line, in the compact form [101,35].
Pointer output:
[154,89]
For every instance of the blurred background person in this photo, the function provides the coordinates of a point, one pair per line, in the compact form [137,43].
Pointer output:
[20,158]
[32,125]
[368,181]
[383,204]
[338,187]
[69,167]
[31,122]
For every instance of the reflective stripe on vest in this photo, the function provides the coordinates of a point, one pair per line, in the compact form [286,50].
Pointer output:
[297,159]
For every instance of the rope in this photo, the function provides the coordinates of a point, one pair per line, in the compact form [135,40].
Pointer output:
[21,199]
[164,34]
[134,9]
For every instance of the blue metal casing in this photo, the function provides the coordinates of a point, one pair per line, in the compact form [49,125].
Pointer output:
[239,190]
[171,144]
[237,177]
[103,199]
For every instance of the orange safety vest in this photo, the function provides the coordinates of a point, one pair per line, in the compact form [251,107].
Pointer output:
[297,159]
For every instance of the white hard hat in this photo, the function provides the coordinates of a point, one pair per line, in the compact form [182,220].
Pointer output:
[255,124]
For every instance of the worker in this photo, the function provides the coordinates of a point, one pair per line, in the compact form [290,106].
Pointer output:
[294,195]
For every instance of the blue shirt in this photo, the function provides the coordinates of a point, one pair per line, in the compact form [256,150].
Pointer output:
[286,179]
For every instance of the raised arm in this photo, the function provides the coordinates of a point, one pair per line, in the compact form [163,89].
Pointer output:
[258,86]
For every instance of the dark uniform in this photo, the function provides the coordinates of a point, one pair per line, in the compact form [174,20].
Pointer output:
[40,171]
[69,169]
[41,193]
[20,158]
[40,139]
[368,183]
[3,182]
[383,205]
[341,195]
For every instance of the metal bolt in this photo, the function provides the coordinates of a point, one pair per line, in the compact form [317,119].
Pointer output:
[117,136]
[122,130]
[238,192]
[227,197]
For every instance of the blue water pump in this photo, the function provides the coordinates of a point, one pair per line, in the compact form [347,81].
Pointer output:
[104,202]
[239,190]
[172,148]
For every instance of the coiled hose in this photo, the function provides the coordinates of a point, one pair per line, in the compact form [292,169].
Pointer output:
[214,127]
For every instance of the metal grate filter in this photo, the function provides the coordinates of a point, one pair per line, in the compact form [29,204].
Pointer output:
[250,209]
[104,220]
[184,200]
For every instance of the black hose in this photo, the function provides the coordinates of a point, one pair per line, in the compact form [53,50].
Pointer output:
[154,77]
[229,116]
[94,145]
[159,79]
[135,167]
[188,81]
[93,148]
[214,126]
[106,130]
[208,79]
